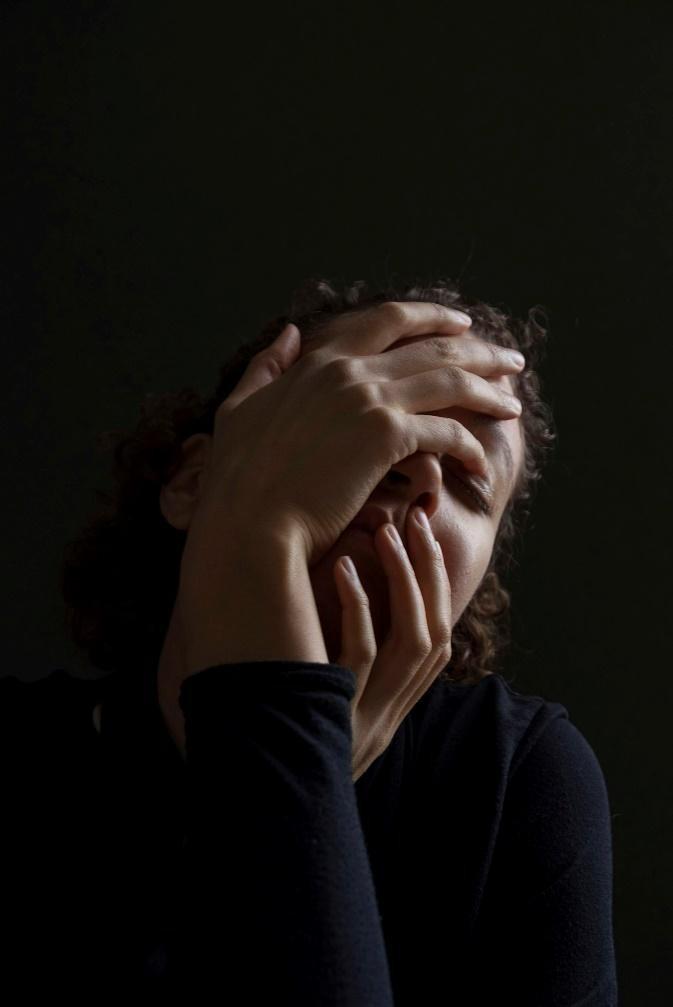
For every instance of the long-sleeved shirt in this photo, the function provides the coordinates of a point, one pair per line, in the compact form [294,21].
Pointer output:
[470,864]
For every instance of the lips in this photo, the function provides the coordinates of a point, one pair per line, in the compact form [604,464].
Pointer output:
[359,542]
[362,534]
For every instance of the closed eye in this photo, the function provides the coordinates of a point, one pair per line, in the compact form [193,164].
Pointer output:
[484,505]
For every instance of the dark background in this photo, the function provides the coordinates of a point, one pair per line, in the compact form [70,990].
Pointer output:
[171,173]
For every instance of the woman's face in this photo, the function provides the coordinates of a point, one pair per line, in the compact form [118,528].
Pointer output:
[465,533]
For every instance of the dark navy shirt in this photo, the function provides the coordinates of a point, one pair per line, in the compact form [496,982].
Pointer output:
[470,864]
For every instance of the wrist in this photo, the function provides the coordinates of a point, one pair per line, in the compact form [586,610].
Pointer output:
[262,607]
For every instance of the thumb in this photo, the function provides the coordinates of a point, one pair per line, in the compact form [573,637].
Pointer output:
[287,342]
[267,365]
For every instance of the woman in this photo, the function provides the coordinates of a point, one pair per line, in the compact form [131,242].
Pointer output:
[300,781]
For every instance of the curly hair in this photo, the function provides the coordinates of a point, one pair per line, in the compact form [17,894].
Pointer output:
[119,576]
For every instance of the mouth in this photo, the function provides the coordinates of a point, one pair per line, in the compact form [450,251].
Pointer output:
[363,534]
[364,551]
[359,528]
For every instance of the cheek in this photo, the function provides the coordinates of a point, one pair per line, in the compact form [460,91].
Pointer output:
[467,550]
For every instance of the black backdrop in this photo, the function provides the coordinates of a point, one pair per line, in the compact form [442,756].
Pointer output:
[172,171]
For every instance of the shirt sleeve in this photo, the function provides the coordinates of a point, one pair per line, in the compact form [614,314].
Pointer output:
[276,887]
[552,936]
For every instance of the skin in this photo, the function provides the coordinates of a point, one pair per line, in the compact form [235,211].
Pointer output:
[466,536]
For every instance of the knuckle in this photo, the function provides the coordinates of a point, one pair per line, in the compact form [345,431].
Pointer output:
[494,353]
[459,378]
[393,311]
[463,440]
[343,369]
[455,428]
[444,347]
[384,421]
[365,656]
[416,647]
[507,399]
[368,395]
[442,645]
[338,370]
[360,656]
[423,646]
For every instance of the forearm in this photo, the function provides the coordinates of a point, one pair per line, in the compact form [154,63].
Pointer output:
[259,607]
[277,894]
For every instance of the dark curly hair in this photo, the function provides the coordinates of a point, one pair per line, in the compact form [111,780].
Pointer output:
[119,575]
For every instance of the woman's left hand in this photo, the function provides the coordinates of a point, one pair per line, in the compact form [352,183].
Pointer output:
[418,646]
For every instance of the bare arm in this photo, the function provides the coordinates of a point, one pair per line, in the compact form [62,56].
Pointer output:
[279,893]
[258,607]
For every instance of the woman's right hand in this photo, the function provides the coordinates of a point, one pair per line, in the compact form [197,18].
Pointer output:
[301,456]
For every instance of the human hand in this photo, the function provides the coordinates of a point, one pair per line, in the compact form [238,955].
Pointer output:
[299,458]
[418,645]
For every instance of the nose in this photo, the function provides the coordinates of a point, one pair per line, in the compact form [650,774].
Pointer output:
[421,475]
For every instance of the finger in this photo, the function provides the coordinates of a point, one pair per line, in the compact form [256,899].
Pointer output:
[420,595]
[408,643]
[374,328]
[468,351]
[445,435]
[445,388]
[358,640]
[427,560]
[266,366]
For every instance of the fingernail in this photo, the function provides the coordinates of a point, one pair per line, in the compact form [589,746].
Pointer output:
[462,317]
[349,566]
[422,518]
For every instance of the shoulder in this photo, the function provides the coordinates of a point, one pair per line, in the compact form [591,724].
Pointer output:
[553,819]
[551,876]
[490,720]
[522,753]
[518,768]
[558,779]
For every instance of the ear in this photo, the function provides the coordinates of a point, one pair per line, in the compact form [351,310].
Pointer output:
[178,498]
